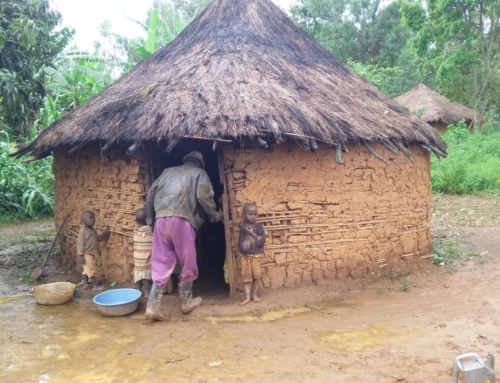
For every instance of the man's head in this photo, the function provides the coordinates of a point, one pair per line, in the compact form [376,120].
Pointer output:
[140,216]
[250,212]
[88,218]
[195,158]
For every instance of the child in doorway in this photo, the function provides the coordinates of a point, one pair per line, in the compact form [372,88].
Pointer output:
[251,246]
[88,249]
[143,243]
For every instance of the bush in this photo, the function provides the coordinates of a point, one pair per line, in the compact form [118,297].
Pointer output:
[27,189]
[473,160]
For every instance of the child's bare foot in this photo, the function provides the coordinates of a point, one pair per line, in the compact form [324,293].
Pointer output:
[98,288]
[246,301]
[255,298]
[85,286]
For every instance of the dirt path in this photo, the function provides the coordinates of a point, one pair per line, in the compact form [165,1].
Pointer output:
[21,249]
[407,330]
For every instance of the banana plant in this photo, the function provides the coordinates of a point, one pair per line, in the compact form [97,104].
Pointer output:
[74,78]
[27,189]
[159,32]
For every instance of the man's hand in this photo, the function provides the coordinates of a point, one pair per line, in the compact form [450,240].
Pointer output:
[152,227]
[82,259]
[216,217]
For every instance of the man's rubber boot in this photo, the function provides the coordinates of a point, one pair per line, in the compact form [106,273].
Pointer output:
[188,303]
[154,303]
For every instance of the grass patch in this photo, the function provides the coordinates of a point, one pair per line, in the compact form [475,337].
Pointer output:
[10,219]
[473,160]
[452,252]
[404,285]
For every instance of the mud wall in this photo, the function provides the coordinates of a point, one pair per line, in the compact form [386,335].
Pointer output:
[112,186]
[324,220]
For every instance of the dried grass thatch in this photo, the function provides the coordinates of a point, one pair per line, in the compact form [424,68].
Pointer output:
[435,107]
[242,68]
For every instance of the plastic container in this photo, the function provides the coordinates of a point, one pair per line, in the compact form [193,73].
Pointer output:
[56,293]
[474,369]
[117,303]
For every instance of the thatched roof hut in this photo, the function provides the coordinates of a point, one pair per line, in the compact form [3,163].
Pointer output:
[242,68]
[433,108]
[244,85]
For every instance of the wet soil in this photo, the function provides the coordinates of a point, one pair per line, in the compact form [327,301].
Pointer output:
[386,331]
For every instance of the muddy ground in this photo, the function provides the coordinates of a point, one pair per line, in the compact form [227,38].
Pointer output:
[405,329]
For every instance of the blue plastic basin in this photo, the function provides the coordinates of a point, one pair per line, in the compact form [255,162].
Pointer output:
[119,302]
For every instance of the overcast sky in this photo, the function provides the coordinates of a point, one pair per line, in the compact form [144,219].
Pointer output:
[86,16]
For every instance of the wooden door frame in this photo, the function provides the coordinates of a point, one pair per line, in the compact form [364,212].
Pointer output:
[227,223]
[153,163]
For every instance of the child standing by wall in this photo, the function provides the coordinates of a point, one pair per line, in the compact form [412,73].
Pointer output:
[251,245]
[143,243]
[88,249]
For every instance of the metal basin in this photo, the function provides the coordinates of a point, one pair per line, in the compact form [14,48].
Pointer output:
[119,302]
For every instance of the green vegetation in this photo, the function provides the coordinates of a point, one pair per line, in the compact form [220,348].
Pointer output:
[473,160]
[451,253]
[364,31]
[404,285]
[27,188]
[41,78]
[159,33]
[461,40]
[394,45]
[29,42]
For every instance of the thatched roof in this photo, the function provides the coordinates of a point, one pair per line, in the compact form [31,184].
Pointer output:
[435,107]
[241,68]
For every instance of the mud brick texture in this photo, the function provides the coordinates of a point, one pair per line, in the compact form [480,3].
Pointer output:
[112,186]
[323,220]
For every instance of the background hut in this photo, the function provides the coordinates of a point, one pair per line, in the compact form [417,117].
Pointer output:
[280,122]
[435,109]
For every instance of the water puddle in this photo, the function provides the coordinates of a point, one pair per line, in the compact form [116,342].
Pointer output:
[10,299]
[346,339]
[258,317]
[331,304]
[85,336]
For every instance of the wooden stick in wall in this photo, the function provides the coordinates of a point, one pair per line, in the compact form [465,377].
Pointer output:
[104,257]
[117,191]
[126,264]
[116,202]
[328,232]
[122,211]
[307,244]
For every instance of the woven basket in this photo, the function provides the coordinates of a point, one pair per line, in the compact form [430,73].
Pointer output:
[56,293]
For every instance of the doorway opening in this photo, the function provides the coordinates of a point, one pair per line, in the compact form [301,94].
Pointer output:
[210,238]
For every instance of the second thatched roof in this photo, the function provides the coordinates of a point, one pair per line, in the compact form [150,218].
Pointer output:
[241,68]
[434,107]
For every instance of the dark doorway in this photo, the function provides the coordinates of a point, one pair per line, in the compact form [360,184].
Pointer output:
[210,238]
